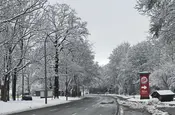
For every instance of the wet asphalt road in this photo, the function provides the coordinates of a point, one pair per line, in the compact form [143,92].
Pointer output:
[171,111]
[98,105]
[92,105]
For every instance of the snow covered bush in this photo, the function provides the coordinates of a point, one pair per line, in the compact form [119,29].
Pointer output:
[164,78]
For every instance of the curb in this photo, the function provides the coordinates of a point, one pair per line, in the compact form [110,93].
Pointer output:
[38,107]
[118,105]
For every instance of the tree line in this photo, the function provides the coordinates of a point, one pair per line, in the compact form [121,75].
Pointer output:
[156,54]
[24,27]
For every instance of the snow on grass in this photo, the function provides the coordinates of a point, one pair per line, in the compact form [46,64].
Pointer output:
[152,101]
[124,96]
[149,104]
[18,106]
[167,104]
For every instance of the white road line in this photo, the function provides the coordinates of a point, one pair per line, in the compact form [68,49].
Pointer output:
[54,110]
[86,109]
[74,113]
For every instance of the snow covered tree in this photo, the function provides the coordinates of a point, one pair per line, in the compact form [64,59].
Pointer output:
[16,23]
[116,69]
[162,15]
[66,25]
[163,78]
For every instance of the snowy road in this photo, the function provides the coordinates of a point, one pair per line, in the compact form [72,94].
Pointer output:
[170,110]
[98,105]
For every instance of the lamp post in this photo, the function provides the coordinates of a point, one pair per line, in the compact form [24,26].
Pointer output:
[45,64]
[66,84]
[45,71]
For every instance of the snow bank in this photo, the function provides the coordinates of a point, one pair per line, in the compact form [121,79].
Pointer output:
[148,104]
[18,106]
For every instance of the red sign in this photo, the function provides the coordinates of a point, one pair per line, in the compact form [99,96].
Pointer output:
[144,85]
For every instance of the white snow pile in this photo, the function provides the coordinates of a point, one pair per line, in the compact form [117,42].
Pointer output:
[19,106]
[148,104]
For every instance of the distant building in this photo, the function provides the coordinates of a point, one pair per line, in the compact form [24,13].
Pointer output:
[41,93]
[84,91]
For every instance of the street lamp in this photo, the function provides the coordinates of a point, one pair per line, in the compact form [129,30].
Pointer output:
[66,84]
[45,65]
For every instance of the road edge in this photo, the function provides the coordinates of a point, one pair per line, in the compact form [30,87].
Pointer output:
[31,109]
[117,104]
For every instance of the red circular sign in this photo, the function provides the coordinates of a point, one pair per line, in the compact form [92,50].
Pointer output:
[144,80]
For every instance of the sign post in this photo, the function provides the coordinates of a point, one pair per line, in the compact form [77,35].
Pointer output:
[144,85]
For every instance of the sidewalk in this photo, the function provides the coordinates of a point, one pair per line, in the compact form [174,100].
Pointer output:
[19,106]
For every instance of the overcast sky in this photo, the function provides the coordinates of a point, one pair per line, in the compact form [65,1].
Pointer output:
[110,23]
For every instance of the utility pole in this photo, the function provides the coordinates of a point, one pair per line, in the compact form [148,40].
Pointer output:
[45,72]
[66,84]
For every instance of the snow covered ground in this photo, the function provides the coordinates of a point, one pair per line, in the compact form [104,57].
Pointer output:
[150,105]
[18,106]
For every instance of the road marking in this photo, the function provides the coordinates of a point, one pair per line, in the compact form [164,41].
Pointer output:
[74,113]
[86,109]
[33,114]
[54,110]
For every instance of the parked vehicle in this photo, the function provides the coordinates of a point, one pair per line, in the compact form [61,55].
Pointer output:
[27,97]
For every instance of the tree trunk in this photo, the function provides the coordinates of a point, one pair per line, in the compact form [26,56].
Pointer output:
[78,91]
[76,85]
[56,83]
[8,88]
[14,79]
[56,89]
[28,84]
[4,93]
[8,67]
[9,64]
[4,90]
[83,91]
